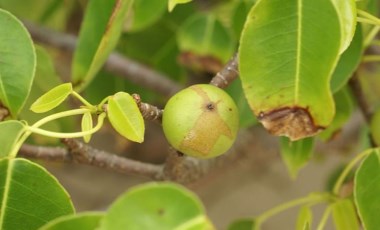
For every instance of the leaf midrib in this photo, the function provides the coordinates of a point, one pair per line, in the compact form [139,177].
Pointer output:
[298,56]
[6,191]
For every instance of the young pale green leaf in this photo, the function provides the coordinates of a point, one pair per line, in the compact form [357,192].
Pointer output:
[87,124]
[344,109]
[367,190]
[145,13]
[285,69]
[52,98]
[204,35]
[173,3]
[82,221]
[304,219]
[17,64]
[126,117]
[167,205]
[243,224]
[348,62]
[29,196]
[347,16]
[10,133]
[246,117]
[296,154]
[100,31]
[344,214]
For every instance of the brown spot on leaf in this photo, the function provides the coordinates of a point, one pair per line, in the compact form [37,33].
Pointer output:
[295,123]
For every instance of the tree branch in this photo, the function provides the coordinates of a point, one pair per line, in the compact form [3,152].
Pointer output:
[228,74]
[84,154]
[116,63]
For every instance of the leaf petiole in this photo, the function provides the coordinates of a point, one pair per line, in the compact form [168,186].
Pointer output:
[83,100]
[324,218]
[367,18]
[69,135]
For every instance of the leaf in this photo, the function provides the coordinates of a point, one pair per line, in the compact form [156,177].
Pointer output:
[367,190]
[344,214]
[344,108]
[29,196]
[239,17]
[296,154]
[205,35]
[82,221]
[348,62]
[126,117]
[166,205]
[87,125]
[243,224]
[17,65]
[52,98]
[286,67]
[100,31]
[246,116]
[11,131]
[145,13]
[304,219]
[173,3]
[347,16]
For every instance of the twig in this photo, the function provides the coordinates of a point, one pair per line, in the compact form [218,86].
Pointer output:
[116,63]
[84,154]
[229,73]
[148,111]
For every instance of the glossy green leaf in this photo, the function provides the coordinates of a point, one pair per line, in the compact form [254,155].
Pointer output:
[285,70]
[87,124]
[52,98]
[246,117]
[147,206]
[205,35]
[347,15]
[243,224]
[296,154]
[10,133]
[304,219]
[17,64]
[126,117]
[145,13]
[367,190]
[348,62]
[82,221]
[239,17]
[173,3]
[100,31]
[344,108]
[344,214]
[29,196]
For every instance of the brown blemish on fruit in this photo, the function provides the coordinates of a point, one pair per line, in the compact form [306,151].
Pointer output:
[200,138]
[294,122]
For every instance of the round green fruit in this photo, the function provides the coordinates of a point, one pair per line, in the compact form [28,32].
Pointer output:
[201,121]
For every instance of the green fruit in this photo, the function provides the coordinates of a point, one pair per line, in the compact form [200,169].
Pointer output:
[201,121]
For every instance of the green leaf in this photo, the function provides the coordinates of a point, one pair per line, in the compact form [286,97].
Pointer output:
[205,35]
[348,62]
[243,224]
[304,219]
[173,3]
[29,196]
[367,190]
[17,65]
[145,13]
[166,205]
[239,16]
[82,221]
[296,154]
[11,131]
[100,31]
[347,16]
[126,117]
[344,214]
[52,98]
[286,67]
[87,125]
[246,116]
[344,108]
